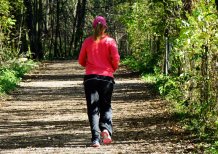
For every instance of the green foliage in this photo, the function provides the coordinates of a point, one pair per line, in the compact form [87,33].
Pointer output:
[140,26]
[12,72]
[8,80]
[192,85]
[6,20]
[134,64]
[146,22]
[149,78]
[8,50]
[213,149]
[22,66]
[196,51]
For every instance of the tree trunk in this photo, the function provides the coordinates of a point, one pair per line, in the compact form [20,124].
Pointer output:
[74,28]
[29,22]
[80,20]
[57,29]
[39,32]
[34,19]
[23,48]
[51,31]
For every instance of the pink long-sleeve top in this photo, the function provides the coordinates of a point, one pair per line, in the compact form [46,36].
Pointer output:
[99,57]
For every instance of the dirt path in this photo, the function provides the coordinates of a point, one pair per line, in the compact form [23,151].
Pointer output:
[47,114]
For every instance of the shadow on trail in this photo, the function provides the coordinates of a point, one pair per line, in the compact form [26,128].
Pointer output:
[122,92]
[73,77]
[47,93]
[137,130]
[151,129]
[128,92]
[18,133]
[57,77]
[49,139]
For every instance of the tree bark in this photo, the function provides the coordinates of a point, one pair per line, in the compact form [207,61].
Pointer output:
[57,29]
[39,32]
[29,22]
[34,19]
[80,22]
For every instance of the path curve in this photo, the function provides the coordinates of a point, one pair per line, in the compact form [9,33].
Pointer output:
[47,114]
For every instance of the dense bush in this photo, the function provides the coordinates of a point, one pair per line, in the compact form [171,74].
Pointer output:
[12,72]
[8,80]
[194,75]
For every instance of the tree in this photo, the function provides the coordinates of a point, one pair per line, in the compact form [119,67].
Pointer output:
[34,21]
[80,22]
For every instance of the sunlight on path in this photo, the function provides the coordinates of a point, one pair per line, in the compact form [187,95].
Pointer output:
[47,114]
[49,84]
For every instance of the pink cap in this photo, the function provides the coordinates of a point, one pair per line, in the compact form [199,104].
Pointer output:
[99,19]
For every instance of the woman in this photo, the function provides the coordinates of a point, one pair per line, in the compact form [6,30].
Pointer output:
[99,55]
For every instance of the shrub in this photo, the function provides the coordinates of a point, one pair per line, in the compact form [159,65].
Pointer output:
[12,73]
[8,80]
[22,66]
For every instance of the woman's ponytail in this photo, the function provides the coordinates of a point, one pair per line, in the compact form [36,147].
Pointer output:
[98,31]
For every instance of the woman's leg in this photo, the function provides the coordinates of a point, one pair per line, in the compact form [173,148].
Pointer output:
[105,95]
[92,99]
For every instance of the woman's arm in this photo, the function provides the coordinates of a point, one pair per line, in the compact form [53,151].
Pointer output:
[114,55]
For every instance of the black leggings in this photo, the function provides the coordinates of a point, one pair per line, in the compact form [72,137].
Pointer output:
[98,90]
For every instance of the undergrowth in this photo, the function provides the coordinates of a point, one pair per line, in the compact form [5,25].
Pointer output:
[12,72]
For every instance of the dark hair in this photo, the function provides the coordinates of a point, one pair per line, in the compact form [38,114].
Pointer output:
[98,30]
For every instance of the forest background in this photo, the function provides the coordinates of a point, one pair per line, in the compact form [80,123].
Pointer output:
[172,43]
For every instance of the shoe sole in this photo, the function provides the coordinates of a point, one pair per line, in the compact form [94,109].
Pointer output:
[96,145]
[106,139]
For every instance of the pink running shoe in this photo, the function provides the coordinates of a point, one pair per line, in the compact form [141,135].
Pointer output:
[106,138]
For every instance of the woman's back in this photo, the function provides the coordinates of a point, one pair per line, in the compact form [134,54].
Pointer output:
[101,56]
